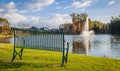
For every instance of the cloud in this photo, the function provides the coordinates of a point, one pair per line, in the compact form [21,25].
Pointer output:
[58,7]
[55,20]
[16,19]
[23,11]
[111,2]
[67,7]
[1,10]
[10,12]
[10,5]
[83,9]
[81,4]
[64,1]
[37,5]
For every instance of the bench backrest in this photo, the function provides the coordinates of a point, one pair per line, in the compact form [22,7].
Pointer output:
[44,40]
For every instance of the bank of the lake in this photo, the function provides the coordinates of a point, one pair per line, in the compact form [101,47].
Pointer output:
[39,60]
[5,36]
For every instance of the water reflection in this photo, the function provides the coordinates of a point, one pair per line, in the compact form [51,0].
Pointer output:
[78,47]
[81,44]
[115,46]
[6,40]
[97,45]
[101,46]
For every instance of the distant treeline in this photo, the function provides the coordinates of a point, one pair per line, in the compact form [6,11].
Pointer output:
[99,27]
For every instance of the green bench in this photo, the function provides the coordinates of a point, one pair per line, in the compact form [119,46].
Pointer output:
[40,39]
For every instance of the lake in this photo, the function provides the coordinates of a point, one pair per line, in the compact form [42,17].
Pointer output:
[95,45]
[7,40]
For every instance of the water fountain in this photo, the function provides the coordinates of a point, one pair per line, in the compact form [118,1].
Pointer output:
[86,31]
[85,36]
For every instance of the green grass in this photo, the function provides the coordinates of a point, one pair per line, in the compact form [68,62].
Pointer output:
[39,60]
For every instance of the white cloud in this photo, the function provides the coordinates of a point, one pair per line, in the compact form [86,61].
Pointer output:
[67,7]
[16,18]
[81,4]
[23,11]
[83,9]
[32,5]
[58,7]
[1,10]
[64,1]
[10,5]
[10,13]
[111,2]
[55,20]
[39,4]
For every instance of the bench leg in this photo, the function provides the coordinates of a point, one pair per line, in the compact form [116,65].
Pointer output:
[15,54]
[63,60]
[20,53]
[66,57]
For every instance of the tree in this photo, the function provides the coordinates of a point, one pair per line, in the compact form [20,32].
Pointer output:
[66,27]
[5,26]
[78,22]
[83,17]
[98,27]
[78,17]
[91,24]
[114,25]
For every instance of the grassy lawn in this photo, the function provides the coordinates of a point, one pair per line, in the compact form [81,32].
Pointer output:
[39,60]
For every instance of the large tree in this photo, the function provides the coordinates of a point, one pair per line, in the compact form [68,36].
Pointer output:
[5,26]
[78,21]
[78,17]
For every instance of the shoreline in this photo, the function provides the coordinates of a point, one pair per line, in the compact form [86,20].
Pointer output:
[5,36]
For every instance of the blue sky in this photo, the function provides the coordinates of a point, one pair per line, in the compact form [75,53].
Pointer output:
[52,13]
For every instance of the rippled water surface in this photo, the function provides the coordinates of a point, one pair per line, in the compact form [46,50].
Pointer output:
[96,45]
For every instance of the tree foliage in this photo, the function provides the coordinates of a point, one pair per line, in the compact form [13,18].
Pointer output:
[99,27]
[114,25]
[78,20]
[5,26]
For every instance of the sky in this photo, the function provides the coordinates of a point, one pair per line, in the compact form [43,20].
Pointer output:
[52,13]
